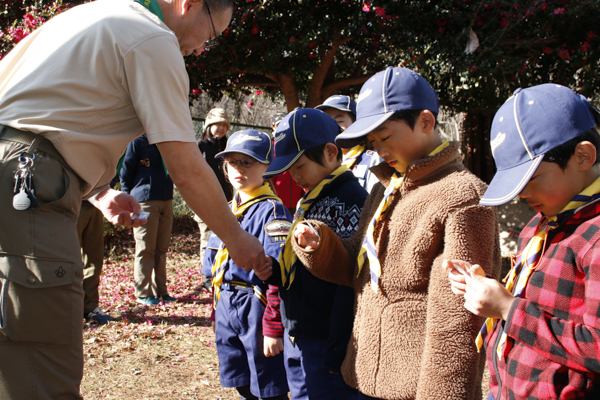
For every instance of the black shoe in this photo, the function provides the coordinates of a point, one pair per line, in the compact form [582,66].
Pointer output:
[207,284]
[98,316]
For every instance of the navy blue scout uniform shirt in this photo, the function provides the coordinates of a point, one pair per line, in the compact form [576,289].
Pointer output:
[269,221]
[143,173]
[306,306]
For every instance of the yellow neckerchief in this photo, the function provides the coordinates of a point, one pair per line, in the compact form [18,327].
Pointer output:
[529,259]
[287,257]
[218,268]
[368,250]
[351,157]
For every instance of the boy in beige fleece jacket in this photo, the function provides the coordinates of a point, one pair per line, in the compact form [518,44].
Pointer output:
[411,339]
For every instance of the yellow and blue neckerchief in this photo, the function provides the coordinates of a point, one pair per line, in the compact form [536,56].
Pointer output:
[352,156]
[529,259]
[288,258]
[368,250]
[218,268]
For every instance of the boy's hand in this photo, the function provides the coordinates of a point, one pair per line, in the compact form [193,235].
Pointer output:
[484,297]
[272,346]
[487,297]
[457,279]
[306,237]
[265,271]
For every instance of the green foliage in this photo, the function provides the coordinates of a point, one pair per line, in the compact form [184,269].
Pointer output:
[310,49]
[180,207]
[21,17]
[329,47]
[520,44]
[270,39]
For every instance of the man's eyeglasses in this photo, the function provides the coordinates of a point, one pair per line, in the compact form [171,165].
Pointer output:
[244,162]
[214,41]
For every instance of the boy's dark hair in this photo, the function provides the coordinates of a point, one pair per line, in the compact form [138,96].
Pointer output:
[409,116]
[316,153]
[562,154]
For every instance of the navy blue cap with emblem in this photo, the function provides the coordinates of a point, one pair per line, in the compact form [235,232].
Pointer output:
[530,123]
[391,90]
[339,102]
[253,143]
[300,130]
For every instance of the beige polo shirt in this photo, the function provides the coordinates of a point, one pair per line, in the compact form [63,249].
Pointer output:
[94,78]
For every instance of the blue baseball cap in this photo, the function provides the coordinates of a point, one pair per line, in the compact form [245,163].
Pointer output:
[300,130]
[253,143]
[530,123]
[339,102]
[391,90]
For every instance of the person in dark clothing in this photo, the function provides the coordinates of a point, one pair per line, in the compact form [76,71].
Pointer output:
[145,177]
[212,142]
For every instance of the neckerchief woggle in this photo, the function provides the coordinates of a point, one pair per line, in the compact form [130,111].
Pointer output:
[153,7]
[529,259]
[368,250]
[351,157]
[218,268]
[287,258]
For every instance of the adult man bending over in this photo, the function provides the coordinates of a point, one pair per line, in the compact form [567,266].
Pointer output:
[73,94]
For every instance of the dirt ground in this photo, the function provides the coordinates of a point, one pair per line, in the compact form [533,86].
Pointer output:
[164,352]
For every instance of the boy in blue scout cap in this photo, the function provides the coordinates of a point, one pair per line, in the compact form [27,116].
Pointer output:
[358,158]
[542,330]
[411,338]
[304,145]
[240,297]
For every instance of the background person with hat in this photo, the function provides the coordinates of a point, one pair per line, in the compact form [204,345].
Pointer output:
[543,329]
[359,158]
[73,94]
[304,145]
[240,297]
[213,141]
[411,338]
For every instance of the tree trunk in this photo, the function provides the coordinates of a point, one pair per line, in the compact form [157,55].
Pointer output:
[288,87]
[476,143]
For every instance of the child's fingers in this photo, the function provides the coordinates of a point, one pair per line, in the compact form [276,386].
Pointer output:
[476,270]
[305,236]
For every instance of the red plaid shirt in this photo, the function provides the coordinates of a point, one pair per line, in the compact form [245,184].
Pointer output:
[554,329]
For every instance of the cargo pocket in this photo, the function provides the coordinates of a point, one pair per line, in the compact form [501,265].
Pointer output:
[37,298]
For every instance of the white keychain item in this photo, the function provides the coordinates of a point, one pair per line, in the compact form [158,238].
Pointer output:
[21,201]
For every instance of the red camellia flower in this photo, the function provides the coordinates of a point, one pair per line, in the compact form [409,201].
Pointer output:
[255,30]
[379,11]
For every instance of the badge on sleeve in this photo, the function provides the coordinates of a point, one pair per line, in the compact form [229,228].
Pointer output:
[278,230]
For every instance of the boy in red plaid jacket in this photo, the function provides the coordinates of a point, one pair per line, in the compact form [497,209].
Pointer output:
[542,333]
